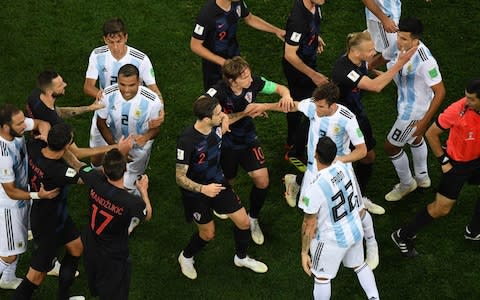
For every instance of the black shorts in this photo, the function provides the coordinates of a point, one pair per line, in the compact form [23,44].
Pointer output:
[299,84]
[250,159]
[367,131]
[452,182]
[212,73]
[45,246]
[108,278]
[199,207]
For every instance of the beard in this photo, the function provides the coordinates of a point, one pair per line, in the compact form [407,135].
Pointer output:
[57,95]
[15,134]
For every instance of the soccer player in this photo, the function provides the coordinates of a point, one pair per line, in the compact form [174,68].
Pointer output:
[14,195]
[105,240]
[332,229]
[103,65]
[351,76]
[204,187]
[327,118]
[214,37]
[51,224]
[302,43]
[241,146]
[420,92]
[460,164]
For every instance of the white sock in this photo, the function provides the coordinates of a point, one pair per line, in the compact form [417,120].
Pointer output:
[322,289]
[368,230]
[9,271]
[419,157]
[401,164]
[3,265]
[367,281]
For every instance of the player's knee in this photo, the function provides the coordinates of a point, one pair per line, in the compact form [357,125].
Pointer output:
[207,235]
[438,210]
[390,149]
[8,259]
[262,183]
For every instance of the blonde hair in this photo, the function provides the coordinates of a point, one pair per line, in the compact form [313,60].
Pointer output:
[354,39]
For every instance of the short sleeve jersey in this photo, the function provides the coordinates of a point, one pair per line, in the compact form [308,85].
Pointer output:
[110,213]
[243,132]
[336,201]
[218,28]
[414,84]
[342,127]
[463,142]
[104,67]
[14,167]
[132,116]
[36,109]
[303,29]
[391,8]
[52,174]
[202,155]
[347,75]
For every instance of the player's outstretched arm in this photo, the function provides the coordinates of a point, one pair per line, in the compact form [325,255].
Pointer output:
[292,57]
[438,96]
[387,23]
[15,193]
[142,186]
[67,112]
[197,47]
[260,24]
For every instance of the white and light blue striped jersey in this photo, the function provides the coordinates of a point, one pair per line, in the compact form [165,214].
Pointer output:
[391,8]
[132,116]
[414,84]
[342,127]
[104,67]
[14,167]
[334,198]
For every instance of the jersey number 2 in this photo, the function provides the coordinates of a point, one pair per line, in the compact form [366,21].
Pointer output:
[337,216]
[108,219]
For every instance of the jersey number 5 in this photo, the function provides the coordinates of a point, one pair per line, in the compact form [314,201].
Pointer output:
[108,219]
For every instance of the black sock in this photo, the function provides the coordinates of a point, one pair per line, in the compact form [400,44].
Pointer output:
[257,199]
[293,121]
[422,219]
[299,178]
[242,240]
[474,225]
[66,276]
[194,246]
[24,290]
[363,173]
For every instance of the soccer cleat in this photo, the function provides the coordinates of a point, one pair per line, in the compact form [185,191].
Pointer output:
[56,270]
[10,284]
[372,207]
[372,259]
[470,235]
[256,232]
[29,235]
[424,183]
[291,189]
[297,163]
[399,191]
[186,264]
[247,262]
[405,245]
[133,223]
[220,216]
[76,298]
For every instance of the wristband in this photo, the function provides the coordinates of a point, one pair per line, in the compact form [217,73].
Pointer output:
[34,196]
[443,159]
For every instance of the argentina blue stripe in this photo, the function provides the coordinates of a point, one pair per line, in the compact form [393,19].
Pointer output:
[125,111]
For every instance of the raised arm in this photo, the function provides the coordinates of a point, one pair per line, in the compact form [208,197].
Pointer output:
[260,24]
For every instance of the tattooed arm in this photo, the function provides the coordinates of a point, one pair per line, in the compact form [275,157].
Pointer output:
[308,232]
[210,190]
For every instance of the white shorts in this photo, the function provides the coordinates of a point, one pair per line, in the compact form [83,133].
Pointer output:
[140,157]
[402,133]
[13,230]
[96,138]
[385,42]
[327,256]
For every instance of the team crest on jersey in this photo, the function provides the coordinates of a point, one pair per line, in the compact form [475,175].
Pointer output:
[409,68]
[336,129]
[249,97]
[137,113]
[198,29]
[197,216]
[218,131]
[239,11]
[353,75]
[180,154]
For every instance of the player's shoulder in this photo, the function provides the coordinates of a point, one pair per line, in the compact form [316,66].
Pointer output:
[101,50]
[424,53]
[135,53]
[345,112]
[111,89]
[148,93]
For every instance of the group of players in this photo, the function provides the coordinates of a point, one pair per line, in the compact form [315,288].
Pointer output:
[328,129]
